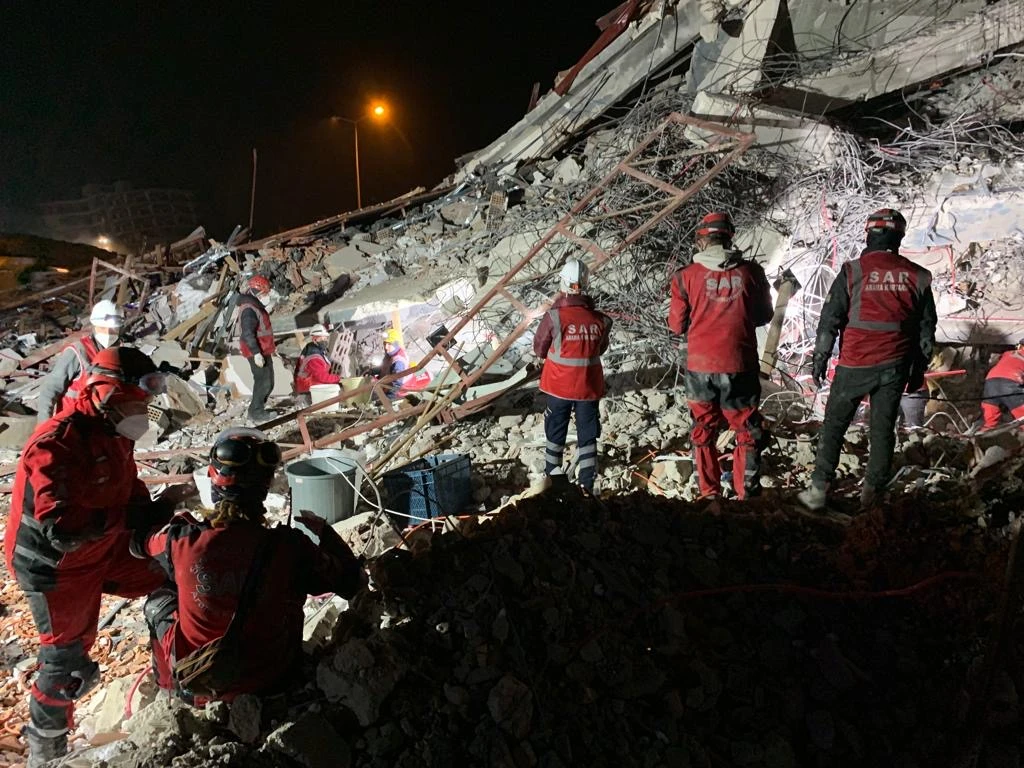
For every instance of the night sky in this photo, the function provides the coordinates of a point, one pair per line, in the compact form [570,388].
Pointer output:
[177,94]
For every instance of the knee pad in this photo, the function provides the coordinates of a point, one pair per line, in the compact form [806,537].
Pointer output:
[67,673]
[159,610]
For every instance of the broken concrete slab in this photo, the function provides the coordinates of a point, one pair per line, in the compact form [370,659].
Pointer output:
[15,430]
[360,677]
[920,58]
[238,374]
[345,261]
[790,135]
[312,742]
[733,64]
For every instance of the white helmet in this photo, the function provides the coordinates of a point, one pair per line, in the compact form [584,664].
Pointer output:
[574,276]
[318,331]
[106,314]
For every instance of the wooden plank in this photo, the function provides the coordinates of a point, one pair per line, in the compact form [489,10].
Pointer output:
[36,298]
[122,288]
[205,310]
[52,349]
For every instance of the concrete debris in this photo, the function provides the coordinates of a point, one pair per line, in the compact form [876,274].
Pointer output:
[360,676]
[312,742]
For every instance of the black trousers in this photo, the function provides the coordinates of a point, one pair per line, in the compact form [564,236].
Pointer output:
[588,429]
[884,387]
[262,384]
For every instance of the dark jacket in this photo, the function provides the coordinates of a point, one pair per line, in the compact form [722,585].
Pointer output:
[255,333]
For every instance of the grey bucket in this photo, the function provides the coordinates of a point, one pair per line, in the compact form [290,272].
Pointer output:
[323,485]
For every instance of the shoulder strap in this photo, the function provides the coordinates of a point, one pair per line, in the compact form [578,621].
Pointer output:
[251,586]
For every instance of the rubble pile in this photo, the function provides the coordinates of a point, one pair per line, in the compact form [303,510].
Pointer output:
[639,632]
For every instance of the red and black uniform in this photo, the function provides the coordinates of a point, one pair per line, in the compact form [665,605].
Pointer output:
[571,339]
[1004,389]
[882,309]
[313,368]
[209,567]
[256,335]
[718,301]
[67,543]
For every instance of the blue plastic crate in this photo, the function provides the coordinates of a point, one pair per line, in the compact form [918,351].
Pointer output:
[433,486]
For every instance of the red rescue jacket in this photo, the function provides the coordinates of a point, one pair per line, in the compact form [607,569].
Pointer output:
[571,339]
[85,350]
[313,368]
[209,566]
[882,306]
[75,478]
[1010,366]
[264,333]
[718,301]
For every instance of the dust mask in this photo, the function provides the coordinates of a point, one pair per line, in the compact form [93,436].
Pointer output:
[105,338]
[133,427]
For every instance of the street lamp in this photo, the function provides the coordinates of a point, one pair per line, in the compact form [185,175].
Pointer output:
[379,112]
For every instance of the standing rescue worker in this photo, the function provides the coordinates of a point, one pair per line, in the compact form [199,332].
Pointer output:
[570,340]
[718,301]
[1004,388]
[395,361]
[881,307]
[256,342]
[76,494]
[64,383]
[210,561]
[313,366]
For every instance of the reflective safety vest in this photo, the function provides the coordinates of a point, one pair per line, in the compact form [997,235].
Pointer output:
[85,350]
[264,331]
[313,368]
[572,368]
[883,325]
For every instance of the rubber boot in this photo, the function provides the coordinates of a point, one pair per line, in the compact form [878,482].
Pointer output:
[42,749]
[814,497]
[870,496]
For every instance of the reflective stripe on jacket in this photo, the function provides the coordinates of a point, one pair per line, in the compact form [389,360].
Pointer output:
[886,293]
[264,330]
[313,368]
[85,350]
[571,337]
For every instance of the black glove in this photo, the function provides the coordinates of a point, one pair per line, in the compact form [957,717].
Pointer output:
[916,378]
[819,368]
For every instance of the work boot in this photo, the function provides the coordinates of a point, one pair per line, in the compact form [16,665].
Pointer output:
[43,749]
[870,496]
[258,417]
[814,498]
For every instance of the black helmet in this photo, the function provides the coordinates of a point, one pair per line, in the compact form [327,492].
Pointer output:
[887,220]
[242,465]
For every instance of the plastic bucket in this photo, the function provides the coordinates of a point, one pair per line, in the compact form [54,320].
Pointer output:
[323,486]
[355,382]
[320,392]
[201,478]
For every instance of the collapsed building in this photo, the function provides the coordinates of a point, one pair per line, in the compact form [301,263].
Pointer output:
[641,629]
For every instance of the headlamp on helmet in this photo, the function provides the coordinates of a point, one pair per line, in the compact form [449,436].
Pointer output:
[242,465]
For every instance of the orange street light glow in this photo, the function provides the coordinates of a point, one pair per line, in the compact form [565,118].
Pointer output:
[379,110]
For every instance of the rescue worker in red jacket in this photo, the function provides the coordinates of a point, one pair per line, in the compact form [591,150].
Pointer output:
[313,366]
[76,494]
[1004,388]
[69,371]
[881,307]
[718,301]
[209,559]
[571,338]
[256,342]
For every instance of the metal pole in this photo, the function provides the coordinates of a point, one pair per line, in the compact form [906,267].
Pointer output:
[252,198]
[359,191]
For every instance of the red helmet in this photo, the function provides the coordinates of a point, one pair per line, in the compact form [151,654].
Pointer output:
[259,283]
[123,374]
[887,219]
[717,223]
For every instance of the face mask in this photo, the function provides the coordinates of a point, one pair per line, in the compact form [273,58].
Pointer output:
[133,427]
[104,339]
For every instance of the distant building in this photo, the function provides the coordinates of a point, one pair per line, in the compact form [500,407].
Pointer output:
[120,218]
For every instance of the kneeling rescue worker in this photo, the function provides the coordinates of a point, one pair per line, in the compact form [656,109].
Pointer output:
[313,366]
[881,307]
[1004,388]
[718,301]
[76,495]
[235,578]
[570,340]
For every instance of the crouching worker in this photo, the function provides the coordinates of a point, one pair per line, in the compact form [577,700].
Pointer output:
[1004,388]
[233,622]
[314,366]
[76,495]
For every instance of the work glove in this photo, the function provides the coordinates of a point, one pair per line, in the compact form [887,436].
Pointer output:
[259,359]
[819,368]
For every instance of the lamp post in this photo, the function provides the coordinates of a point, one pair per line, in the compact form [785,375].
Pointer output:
[379,112]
